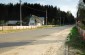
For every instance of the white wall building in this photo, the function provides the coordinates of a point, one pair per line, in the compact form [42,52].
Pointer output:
[34,20]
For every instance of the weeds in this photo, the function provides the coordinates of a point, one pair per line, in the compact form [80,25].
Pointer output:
[76,41]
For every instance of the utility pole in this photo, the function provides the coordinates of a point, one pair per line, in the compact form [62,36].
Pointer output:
[60,20]
[20,14]
[46,18]
[63,20]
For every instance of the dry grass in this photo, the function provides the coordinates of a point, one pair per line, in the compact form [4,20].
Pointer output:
[18,30]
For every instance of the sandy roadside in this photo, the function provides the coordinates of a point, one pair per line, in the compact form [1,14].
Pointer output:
[49,45]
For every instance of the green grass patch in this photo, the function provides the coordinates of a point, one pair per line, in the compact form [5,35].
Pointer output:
[76,41]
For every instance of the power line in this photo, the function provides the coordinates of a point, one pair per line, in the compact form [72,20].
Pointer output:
[35,9]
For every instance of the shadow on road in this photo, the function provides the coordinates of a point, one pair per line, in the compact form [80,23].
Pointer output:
[30,42]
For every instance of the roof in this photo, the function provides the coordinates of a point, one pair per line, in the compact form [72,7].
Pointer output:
[38,19]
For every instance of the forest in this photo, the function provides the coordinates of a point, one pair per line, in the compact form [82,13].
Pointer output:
[81,12]
[54,14]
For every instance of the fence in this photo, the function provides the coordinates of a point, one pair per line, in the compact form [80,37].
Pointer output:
[16,27]
[81,32]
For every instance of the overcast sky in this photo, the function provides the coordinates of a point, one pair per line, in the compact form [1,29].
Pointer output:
[65,5]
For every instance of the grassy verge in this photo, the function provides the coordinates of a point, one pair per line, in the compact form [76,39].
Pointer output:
[11,31]
[19,30]
[48,26]
[76,41]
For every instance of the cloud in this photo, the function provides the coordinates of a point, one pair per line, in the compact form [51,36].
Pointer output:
[67,5]
[9,1]
[69,8]
[64,5]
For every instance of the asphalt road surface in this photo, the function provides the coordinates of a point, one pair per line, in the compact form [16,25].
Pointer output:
[13,40]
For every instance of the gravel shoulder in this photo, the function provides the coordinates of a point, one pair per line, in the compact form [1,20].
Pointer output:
[53,44]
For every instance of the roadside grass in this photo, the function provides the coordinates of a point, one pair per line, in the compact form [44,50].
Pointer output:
[20,30]
[47,26]
[76,41]
[11,31]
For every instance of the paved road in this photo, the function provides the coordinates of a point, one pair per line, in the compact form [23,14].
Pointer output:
[13,40]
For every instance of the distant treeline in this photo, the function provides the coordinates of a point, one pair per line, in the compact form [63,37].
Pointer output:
[54,14]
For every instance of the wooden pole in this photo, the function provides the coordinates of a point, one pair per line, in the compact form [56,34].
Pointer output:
[20,14]
[46,18]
